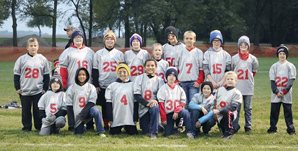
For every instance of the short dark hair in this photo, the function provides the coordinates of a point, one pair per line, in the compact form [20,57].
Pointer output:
[150,60]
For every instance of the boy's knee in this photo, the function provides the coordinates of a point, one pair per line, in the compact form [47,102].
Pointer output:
[60,122]
[154,109]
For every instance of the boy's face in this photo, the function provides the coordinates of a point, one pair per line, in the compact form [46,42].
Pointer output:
[150,67]
[109,42]
[231,80]
[216,43]
[33,48]
[55,86]
[122,74]
[136,44]
[171,78]
[206,91]
[243,47]
[189,39]
[82,76]
[69,32]
[57,65]
[172,39]
[78,40]
[157,52]
[282,56]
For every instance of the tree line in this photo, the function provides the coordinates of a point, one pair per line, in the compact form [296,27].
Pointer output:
[264,21]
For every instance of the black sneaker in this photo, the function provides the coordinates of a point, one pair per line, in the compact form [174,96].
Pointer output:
[106,127]
[227,137]
[153,136]
[247,130]
[292,133]
[271,131]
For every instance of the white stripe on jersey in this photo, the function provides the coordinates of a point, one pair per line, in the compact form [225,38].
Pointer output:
[281,74]
[122,99]
[226,98]
[171,97]
[31,71]
[170,52]
[73,58]
[161,69]
[136,62]
[148,88]
[78,96]
[244,70]
[52,102]
[217,62]
[189,63]
[106,62]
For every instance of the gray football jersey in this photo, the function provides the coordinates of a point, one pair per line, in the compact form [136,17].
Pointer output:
[216,61]
[226,98]
[171,97]
[244,70]
[281,73]
[78,96]
[161,69]
[31,71]
[189,63]
[136,62]
[52,102]
[106,62]
[122,99]
[208,103]
[148,88]
[73,58]
[170,52]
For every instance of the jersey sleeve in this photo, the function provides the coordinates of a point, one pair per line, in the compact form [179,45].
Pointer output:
[237,98]
[255,64]
[182,96]
[96,60]
[64,58]
[108,92]
[272,72]
[228,61]
[161,95]
[292,72]
[206,63]
[46,68]
[233,63]
[93,94]
[63,103]
[201,59]
[41,102]
[69,96]
[17,67]
[137,85]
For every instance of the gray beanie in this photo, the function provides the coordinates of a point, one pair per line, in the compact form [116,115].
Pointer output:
[243,39]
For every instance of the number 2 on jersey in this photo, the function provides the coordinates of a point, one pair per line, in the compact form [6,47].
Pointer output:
[137,70]
[281,81]
[31,73]
[241,76]
[109,66]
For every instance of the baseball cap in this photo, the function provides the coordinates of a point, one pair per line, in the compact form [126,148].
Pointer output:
[70,27]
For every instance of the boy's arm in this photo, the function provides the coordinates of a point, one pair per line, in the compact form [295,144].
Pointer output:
[61,113]
[136,112]
[16,81]
[41,113]
[46,82]
[140,99]
[70,115]
[274,87]
[162,110]
[86,109]
[201,77]
[109,111]
[194,106]
[64,76]
[288,87]
[95,76]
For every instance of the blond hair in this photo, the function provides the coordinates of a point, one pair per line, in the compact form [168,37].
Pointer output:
[190,32]
[32,40]
[156,45]
[231,73]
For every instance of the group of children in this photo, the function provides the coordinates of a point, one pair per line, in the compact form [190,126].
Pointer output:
[134,87]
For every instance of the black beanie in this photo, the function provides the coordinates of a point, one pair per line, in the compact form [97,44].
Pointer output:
[171,30]
[56,78]
[75,33]
[282,48]
[172,70]
[207,83]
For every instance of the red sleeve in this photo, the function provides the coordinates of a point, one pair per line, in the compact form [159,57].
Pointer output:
[179,107]
[162,111]
[254,73]
[201,77]
[64,75]
[285,91]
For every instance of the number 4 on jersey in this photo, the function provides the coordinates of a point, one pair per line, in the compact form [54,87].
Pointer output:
[124,100]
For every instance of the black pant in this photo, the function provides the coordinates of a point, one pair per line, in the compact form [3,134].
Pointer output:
[101,100]
[226,123]
[274,115]
[27,102]
[130,130]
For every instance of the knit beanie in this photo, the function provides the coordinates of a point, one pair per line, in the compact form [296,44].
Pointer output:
[243,39]
[75,33]
[56,61]
[136,36]
[171,30]
[215,34]
[56,78]
[172,70]
[109,33]
[207,83]
[122,65]
[282,48]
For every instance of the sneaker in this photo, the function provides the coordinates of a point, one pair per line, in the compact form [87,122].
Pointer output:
[247,130]
[102,135]
[292,133]
[153,136]
[106,127]
[189,135]
[180,126]
[227,137]
[271,131]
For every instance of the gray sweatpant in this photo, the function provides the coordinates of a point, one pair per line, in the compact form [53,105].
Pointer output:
[48,129]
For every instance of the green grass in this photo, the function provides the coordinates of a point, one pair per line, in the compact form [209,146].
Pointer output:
[12,138]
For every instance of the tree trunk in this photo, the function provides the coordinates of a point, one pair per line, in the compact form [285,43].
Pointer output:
[90,23]
[39,31]
[14,23]
[54,24]
[127,32]
[145,35]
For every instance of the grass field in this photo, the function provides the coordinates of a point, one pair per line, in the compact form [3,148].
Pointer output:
[12,138]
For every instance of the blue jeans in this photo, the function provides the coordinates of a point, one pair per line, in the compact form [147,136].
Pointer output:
[247,105]
[207,121]
[169,128]
[190,91]
[93,113]
[149,122]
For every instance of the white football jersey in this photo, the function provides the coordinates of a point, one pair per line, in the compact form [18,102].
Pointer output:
[52,102]
[161,69]
[203,102]
[170,52]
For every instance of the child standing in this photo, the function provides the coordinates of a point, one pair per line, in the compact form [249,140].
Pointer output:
[80,100]
[216,60]
[136,57]
[171,48]
[200,105]
[282,75]
[189,62]
[122,110]
[146,87]
[245,65]
[31,80]
[228,99]
[162,65]
[172,100]
[52,108]
[104,70]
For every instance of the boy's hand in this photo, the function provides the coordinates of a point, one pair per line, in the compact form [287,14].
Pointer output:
[19,91]
[43,91]
[98,89]
[196,85]
[204,111]
[215,111]
[152,103]
[280,94]
[175,116]
[164,123]
[110,122]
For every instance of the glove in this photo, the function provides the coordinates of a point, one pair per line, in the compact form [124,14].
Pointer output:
[51,118]
[83,119]
[45,121]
